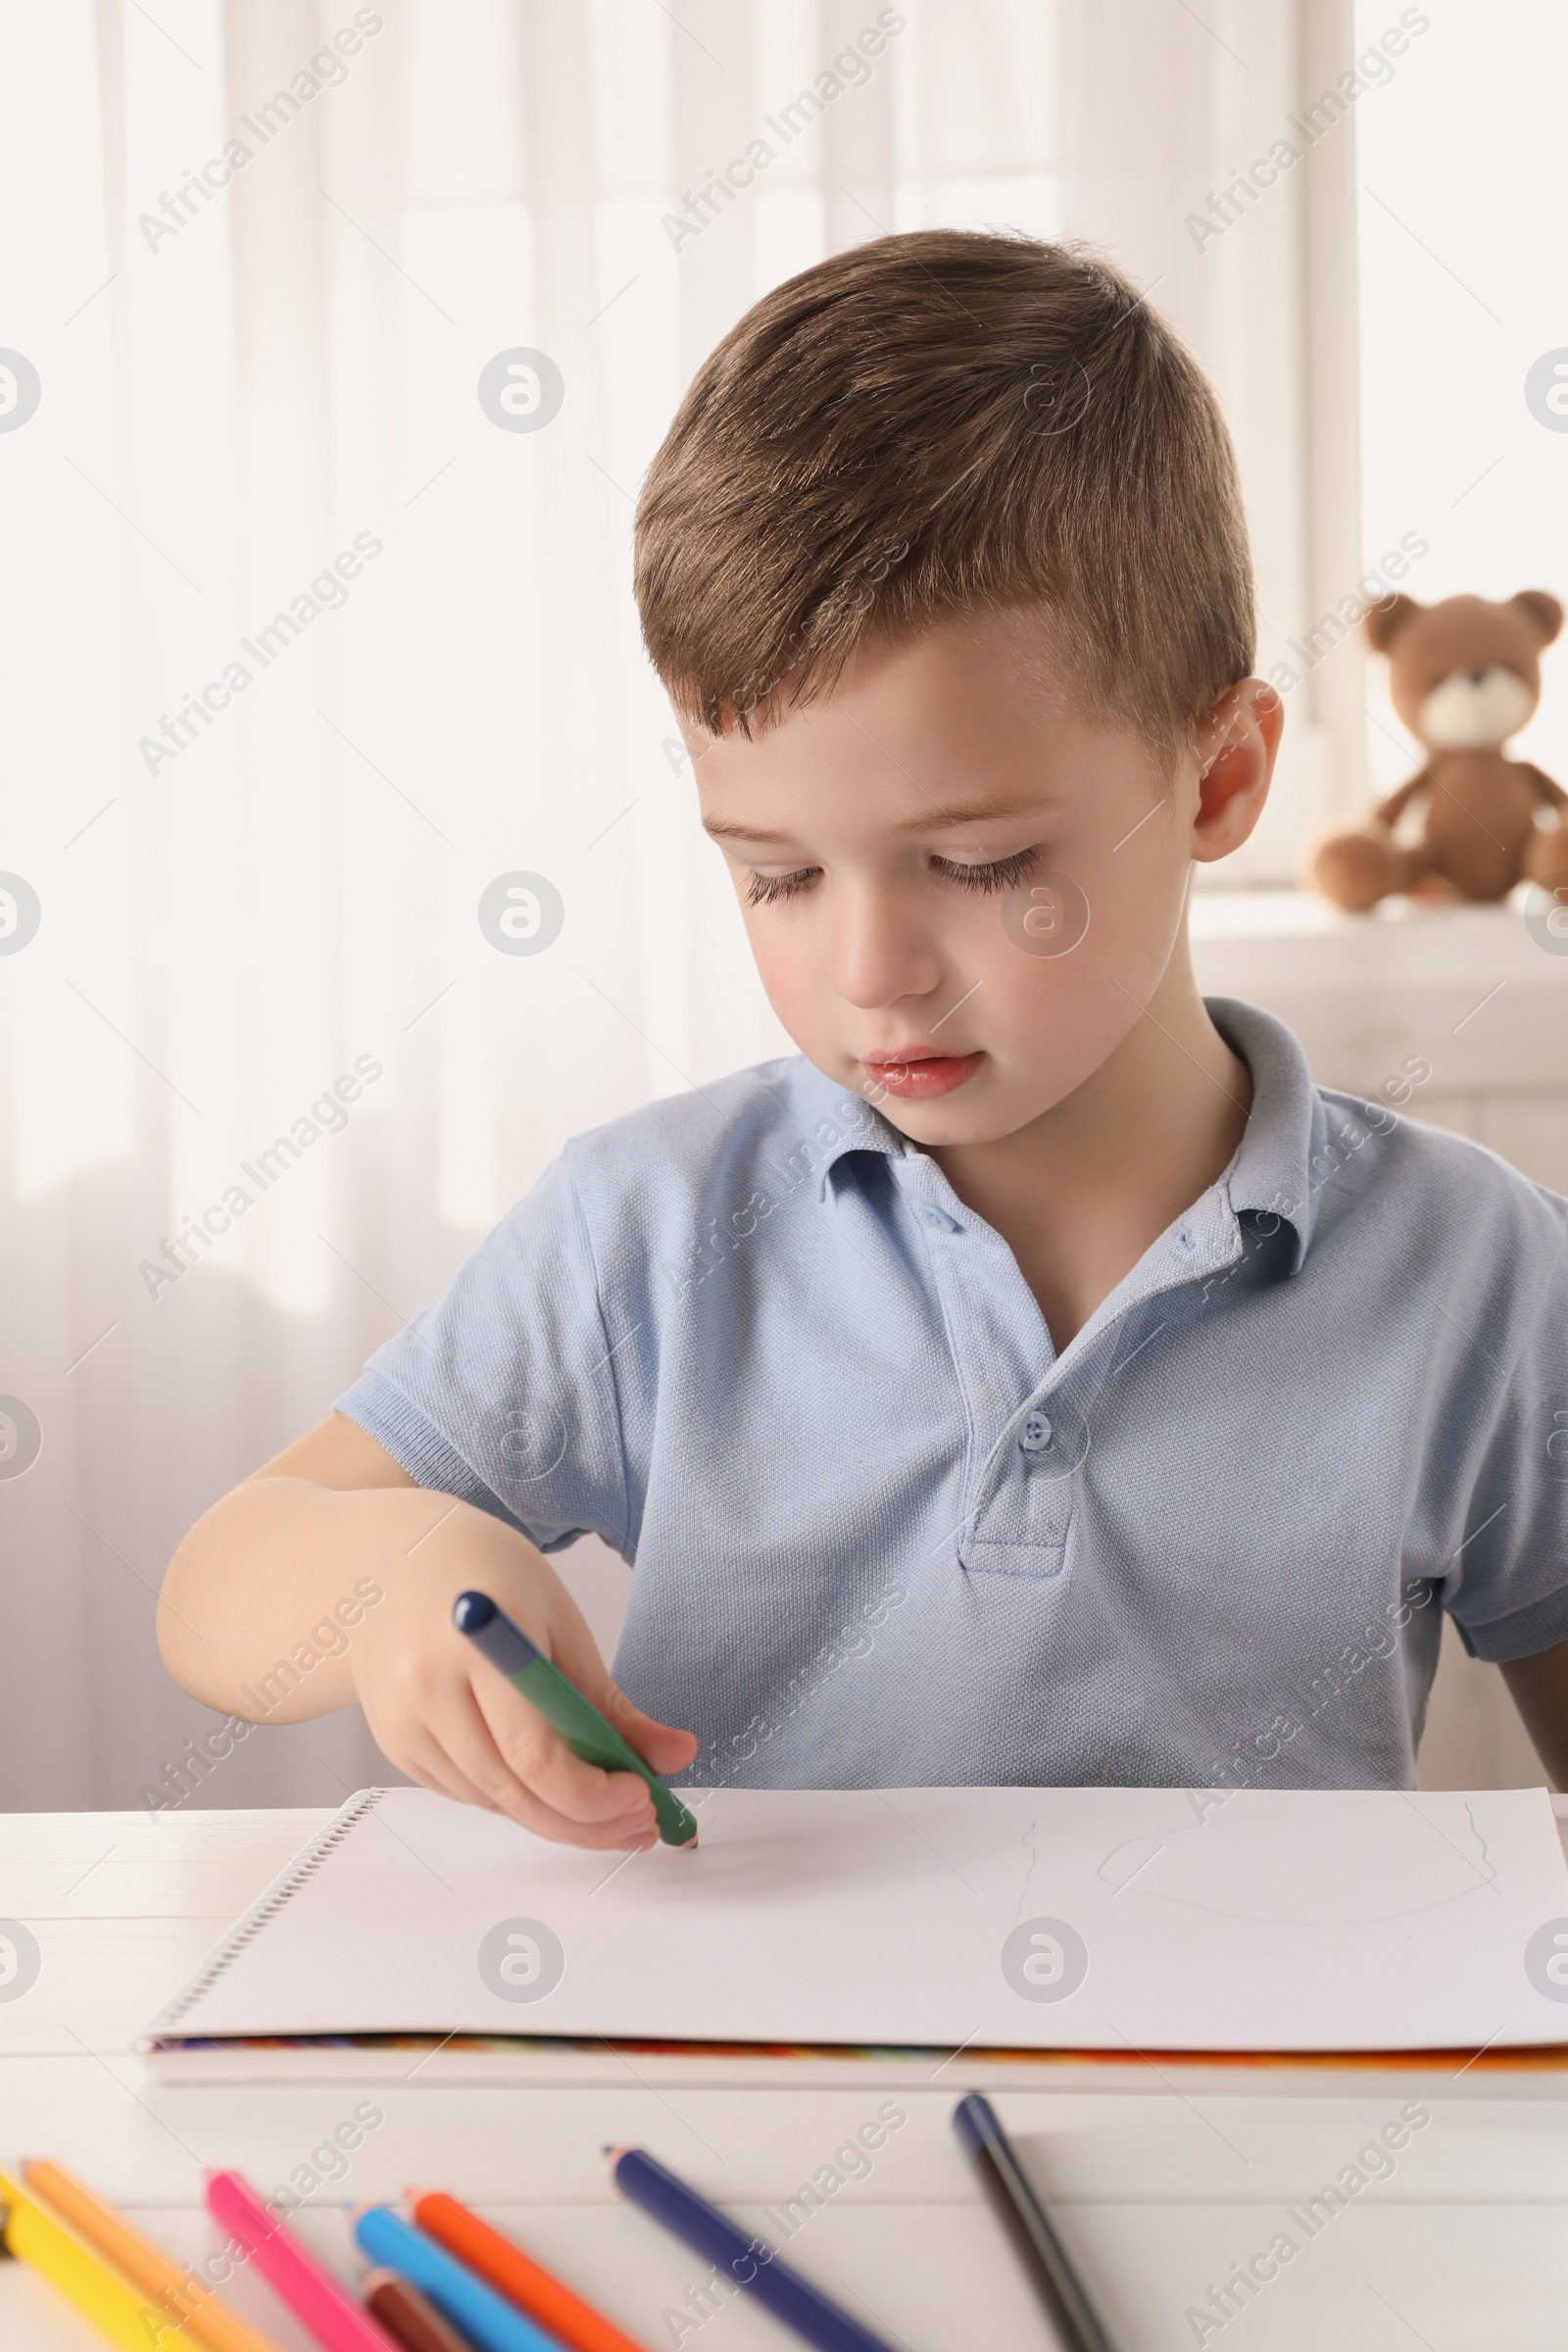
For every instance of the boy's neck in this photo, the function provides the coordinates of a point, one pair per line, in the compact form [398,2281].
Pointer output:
[1081,1192]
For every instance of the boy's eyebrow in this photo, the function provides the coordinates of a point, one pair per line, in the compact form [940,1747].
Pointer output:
[718,831]
[980,812]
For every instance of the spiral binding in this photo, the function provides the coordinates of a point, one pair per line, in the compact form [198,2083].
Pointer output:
[265,1908]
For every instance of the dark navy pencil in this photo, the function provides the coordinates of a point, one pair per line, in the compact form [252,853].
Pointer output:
[1023,2217]
[750,2261]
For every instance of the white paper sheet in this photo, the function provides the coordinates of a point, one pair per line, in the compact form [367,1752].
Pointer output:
[1088,1917]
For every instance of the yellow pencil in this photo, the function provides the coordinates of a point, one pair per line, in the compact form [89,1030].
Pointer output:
[188,2309]
[85,2282]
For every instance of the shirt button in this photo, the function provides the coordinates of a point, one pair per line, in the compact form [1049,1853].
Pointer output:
[1184,1239]
[1036,1435]
[938,1218]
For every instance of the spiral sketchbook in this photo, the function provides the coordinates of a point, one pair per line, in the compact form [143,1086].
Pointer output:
[1031,1919]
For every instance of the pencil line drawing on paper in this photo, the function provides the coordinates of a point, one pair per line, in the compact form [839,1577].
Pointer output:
[1203,1877]
[1029,1842]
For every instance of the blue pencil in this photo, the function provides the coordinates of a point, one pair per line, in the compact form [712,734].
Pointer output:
[473,2308]
[750,2261]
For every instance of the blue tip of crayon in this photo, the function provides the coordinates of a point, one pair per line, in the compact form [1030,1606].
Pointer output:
[472,1612]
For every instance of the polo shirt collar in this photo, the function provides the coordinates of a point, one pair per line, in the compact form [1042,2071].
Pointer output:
[839,1123]
[1270,1174]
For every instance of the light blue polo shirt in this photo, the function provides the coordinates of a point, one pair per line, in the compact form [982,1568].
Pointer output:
[884,1535]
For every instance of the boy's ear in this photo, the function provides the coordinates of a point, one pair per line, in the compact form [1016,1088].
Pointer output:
[1238,741]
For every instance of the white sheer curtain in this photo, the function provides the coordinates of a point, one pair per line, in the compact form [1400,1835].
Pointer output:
[1477,469]
[260,253]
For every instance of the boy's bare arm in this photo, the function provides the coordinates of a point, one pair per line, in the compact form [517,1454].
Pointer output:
[329,1575]
[1539,1686]
[275,1558]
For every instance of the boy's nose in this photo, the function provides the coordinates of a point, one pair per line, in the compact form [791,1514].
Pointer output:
[883,954]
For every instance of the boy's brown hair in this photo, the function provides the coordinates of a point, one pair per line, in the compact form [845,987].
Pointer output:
[939,422]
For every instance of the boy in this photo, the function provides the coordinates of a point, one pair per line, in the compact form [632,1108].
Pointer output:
[1040,1381]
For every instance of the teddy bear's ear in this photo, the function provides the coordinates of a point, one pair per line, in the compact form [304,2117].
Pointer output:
[1543,610]
[1386,619]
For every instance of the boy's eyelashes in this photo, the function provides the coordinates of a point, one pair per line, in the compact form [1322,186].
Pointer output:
[998,873]
[995,875]
[765,890]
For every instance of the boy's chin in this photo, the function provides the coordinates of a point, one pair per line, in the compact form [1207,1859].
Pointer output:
[987,1111]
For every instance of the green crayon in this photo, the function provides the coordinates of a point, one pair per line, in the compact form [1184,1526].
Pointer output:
[565,1708]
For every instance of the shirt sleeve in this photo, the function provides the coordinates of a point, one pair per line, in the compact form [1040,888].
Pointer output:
[503,1392]
[1507,1586]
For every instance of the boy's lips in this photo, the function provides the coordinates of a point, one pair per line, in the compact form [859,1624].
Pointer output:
[919,1077]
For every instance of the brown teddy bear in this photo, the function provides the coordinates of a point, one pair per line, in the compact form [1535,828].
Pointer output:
[1463,676]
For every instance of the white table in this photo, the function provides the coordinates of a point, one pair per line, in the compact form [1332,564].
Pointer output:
[1161,2180]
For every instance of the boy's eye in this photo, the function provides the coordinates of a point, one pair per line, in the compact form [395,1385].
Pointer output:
[765,890]
[1000,874]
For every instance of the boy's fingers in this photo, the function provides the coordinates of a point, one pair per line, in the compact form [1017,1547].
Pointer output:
[424,1760]
[539,1781]
[432,1770]
[543,1762]
[659,1744]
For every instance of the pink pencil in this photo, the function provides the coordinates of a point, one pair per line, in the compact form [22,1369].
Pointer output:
[313,2294]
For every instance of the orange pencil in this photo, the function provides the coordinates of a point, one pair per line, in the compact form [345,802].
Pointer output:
[515,2274]
[194,2315]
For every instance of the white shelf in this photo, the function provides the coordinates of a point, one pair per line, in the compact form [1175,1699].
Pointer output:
[1467,988]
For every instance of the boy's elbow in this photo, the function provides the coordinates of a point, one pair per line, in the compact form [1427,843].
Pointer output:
[188,1637]
[178,1641]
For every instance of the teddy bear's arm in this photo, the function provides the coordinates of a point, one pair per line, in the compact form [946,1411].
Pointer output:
[1390,812]
[1549,795]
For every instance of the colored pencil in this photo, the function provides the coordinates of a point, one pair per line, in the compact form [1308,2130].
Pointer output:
[753,2265]
[197,2312]
[87,2284]
[516,2275]
[476,2310]
[406,2315]
[1023,2217]
[310,2292]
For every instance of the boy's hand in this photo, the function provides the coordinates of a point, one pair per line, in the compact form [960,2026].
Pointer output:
[278,1556]
[445,1716]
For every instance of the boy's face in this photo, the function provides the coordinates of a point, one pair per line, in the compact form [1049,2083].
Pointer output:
[961,891]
